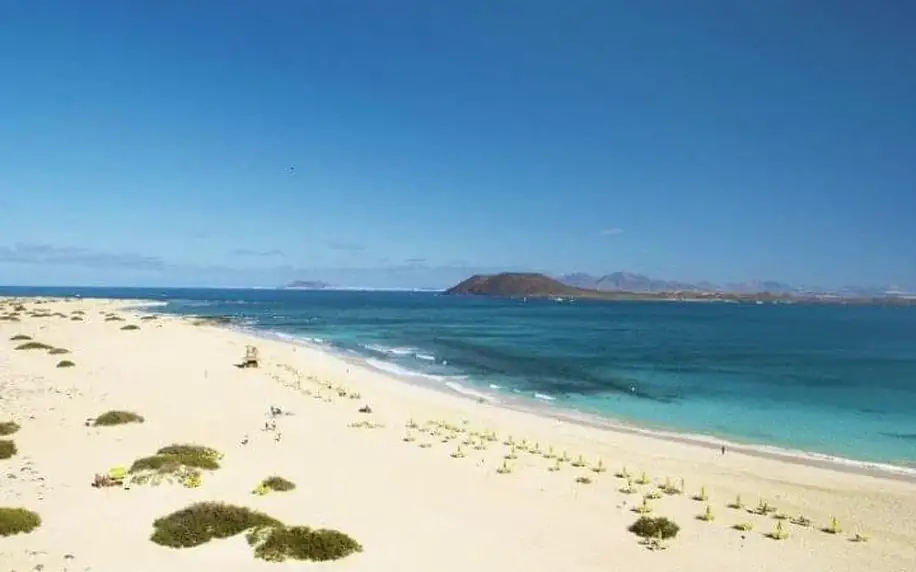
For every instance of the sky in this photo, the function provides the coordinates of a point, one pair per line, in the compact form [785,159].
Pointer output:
[412,143]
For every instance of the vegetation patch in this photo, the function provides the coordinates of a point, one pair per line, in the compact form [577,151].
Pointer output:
[34,346]
[279,543]
[7,448]
[110,418]
[654,527]
[202,522]
[58,351]
[275,483]
[114,319]
[148,318]
[65,363]
[76,318]
[170,459]
[8,428]
[17,521]
[272,540]
[20,337]
[130,327]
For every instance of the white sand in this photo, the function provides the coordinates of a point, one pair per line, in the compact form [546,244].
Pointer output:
[413,509]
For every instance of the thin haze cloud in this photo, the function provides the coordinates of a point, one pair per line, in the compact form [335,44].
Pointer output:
[261,253]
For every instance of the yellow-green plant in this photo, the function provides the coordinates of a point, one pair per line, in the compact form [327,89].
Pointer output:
[504,469]
[737,505]
[599,467]
[458,453]
[579,462]
[643,508]
[779,533]
[707,516]
[555,467]
[744,526]
[834,527]
[701,496]
[643,479]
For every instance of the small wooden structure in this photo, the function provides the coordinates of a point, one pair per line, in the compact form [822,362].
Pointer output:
[251,357]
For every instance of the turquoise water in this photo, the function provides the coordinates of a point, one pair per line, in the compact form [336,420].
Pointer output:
[838,380]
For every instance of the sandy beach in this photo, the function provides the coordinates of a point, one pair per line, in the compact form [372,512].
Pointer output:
[424,498]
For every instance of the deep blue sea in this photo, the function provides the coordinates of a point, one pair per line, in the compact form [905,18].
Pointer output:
[838,380]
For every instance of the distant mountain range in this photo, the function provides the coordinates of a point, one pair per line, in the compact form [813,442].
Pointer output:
[630,282]
[307,285]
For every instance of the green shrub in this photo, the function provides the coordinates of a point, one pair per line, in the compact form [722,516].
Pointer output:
[278,543]
[130,327]
[8,428]
[117,418]
[7,448]
[170,459]
[20,337]
[17,520]
[65,363]
[278,484]
[76,318]
[114,319]
[654,527]
[34,346]
[202,522]
[58,351]
[148,318]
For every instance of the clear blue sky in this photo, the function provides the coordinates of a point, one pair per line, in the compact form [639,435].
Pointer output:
[728,140]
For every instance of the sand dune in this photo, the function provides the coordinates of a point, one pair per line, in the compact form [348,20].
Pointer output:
[412,505]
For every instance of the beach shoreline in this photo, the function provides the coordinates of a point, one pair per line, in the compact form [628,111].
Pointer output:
[411,477]
[531,406]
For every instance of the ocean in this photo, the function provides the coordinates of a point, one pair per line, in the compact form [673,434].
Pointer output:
[833,380]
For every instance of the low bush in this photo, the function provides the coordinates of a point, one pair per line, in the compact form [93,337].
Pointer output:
[76,318]
[17,520]
[654,527]
[66,363]
[130,327]
[8,428]
[202,522]
[58,351]
[272,540]
[170,459]
[20,337]
[114,319]
[278,484]
[34,346]
[279,543]
[117,418]
[148,318]
[7,448]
